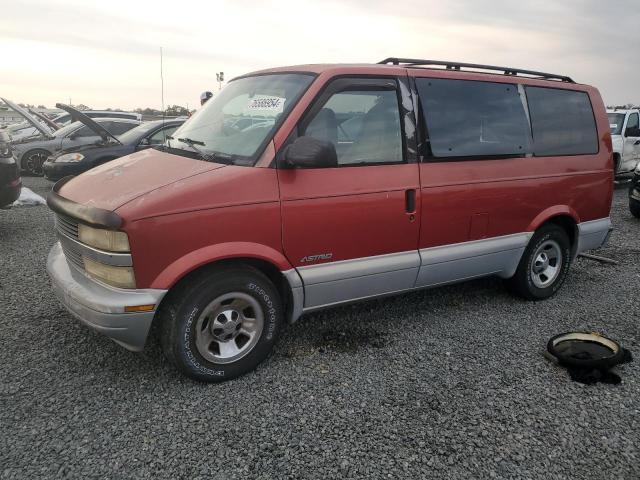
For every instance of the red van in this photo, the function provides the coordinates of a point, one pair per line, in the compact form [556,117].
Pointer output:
[300,188]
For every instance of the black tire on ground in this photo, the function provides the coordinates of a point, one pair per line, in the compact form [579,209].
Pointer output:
[32,161]
[634,208]
[190,327]
[529,281]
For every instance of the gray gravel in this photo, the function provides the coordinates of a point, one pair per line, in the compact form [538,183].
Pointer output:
[448,383]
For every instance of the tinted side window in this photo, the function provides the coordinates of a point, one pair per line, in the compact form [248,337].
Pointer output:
[364,126]
[84,132]
[562,122]
[470,118]
[118,128]
[161,135]
[632,123]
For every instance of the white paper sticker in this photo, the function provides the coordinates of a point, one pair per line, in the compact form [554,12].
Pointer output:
[272,104]
[613,126]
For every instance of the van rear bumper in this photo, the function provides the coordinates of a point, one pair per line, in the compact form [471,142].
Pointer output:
[100,307]
[593,234]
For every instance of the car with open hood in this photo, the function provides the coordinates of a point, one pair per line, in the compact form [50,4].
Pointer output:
[76,160]
[30,154]
[26,130]
[301,188]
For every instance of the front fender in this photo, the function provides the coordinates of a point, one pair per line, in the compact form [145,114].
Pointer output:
[213,253]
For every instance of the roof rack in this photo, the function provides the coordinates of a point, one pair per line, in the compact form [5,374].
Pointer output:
[413,62]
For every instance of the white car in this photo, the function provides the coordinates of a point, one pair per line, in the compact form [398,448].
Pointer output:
[625,135]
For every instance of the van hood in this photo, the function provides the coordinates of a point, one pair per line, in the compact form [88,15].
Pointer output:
[120,181]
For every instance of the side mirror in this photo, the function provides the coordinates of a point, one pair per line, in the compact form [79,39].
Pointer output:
[144,142]
[73,136]
[309,152]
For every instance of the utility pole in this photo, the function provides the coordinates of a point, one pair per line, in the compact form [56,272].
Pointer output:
[220,79]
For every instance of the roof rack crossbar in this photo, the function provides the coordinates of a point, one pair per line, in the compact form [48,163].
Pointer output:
[413,62]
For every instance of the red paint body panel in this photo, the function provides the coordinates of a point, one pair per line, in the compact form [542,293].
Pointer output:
[115,183]
[348,212]
[179,227]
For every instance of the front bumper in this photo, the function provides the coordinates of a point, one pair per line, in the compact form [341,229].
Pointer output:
[56,171]
[10,193]
[634,188]
[100,307]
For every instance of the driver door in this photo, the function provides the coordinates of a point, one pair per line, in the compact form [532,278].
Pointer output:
[351,230]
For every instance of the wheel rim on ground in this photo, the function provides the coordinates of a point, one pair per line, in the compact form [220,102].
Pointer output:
[546,264]
[229,327]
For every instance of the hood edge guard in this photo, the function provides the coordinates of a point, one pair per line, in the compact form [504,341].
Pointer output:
[92,216]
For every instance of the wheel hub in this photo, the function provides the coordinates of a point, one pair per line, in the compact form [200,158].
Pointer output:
[227,325]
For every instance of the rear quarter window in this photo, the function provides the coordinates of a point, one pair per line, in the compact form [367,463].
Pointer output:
[468,118]
[562,122]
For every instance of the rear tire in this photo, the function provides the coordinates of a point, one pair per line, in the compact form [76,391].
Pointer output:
[544,264]
[634,208]
[221,324]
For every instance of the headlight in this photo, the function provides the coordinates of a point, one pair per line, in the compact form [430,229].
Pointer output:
[69,158]
[638,168]
[108,240]
[121,277]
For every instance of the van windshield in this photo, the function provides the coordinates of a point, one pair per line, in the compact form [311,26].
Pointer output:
[234,125]
[615,122]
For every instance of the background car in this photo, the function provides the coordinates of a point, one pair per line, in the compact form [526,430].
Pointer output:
[25,129]
[625,135]
[32,154]
[10,182]
[76,160]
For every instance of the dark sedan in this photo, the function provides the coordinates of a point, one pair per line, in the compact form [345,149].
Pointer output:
[77,160]
[10,181]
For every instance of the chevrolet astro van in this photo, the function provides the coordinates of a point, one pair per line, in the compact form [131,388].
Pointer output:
[301,188]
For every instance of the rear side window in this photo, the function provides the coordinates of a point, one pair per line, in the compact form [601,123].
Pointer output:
[118,128]
[562,122]
[470,118]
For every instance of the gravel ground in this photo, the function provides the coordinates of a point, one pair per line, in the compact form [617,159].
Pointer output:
[447,383]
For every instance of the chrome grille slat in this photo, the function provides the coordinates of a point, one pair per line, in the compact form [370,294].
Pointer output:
[67,227]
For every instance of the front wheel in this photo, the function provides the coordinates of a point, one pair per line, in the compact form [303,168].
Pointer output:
[32,161]
[544,265]
[222,324]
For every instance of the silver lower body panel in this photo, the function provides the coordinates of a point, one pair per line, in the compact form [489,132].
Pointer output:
[101,307]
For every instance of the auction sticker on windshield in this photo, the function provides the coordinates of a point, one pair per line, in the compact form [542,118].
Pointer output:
[272,104]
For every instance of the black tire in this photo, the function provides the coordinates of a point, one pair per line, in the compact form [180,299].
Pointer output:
[32,161]
[523,283]
[182,312]
[634,208]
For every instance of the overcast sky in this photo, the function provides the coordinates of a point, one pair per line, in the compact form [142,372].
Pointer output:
[107,54]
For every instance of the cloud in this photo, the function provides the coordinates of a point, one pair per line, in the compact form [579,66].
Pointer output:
[107,53]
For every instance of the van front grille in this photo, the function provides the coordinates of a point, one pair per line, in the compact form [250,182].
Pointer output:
[67,226]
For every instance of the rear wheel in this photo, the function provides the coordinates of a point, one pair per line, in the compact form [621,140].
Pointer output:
[634,207]
[544,264]
[221,325]
[33,160]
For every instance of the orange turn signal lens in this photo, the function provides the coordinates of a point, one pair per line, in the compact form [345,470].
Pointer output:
[140,308]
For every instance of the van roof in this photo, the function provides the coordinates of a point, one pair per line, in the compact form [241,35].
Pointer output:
[402,63]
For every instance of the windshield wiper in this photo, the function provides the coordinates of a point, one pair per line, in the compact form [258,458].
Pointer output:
[209,157]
